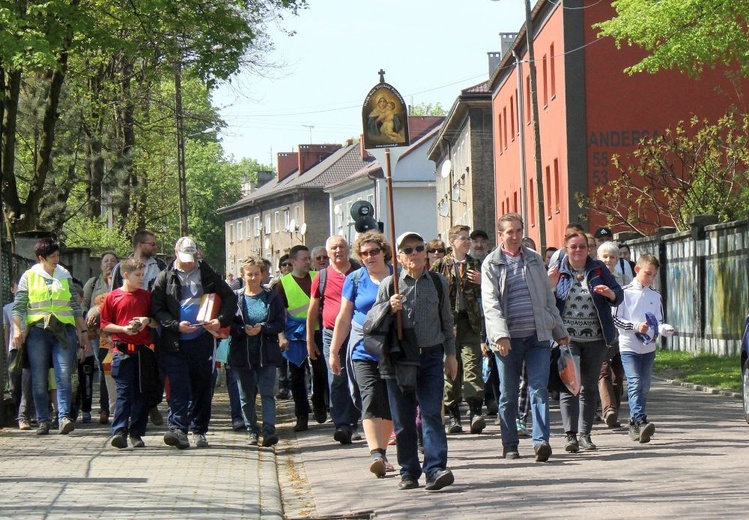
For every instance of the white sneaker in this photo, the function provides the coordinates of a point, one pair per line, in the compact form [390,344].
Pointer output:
[199,440]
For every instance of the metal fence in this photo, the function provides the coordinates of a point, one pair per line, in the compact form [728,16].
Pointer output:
[704,281]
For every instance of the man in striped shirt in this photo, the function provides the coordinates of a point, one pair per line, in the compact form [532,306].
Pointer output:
[521,317]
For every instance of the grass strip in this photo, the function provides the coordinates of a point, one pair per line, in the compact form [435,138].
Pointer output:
[721,372]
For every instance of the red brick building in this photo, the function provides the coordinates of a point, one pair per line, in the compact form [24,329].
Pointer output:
[589,109]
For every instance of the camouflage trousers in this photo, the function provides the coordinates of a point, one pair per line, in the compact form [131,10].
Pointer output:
[468,384]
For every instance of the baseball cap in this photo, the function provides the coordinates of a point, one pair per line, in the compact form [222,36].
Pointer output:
[479,233]
[186,249]
[604,231]
[407,234]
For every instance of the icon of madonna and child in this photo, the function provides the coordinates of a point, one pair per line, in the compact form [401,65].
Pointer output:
[385,119]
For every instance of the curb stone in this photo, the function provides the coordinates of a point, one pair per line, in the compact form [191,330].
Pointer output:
[700,388]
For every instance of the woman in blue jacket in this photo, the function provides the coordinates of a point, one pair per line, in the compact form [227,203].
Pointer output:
[254,352]
[586,291]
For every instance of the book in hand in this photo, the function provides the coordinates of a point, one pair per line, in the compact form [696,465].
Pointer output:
[210,306]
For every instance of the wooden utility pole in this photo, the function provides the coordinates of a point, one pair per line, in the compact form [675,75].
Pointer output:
[180,130]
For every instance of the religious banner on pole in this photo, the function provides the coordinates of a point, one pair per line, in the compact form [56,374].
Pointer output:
[384,117]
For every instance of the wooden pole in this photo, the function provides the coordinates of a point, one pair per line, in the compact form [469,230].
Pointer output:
[391,220]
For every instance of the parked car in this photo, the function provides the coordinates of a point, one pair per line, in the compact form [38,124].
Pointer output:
[745,368]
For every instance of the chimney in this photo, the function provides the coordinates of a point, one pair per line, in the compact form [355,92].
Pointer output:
[313,154]
[505,43]
[362,150]
[495,58]
[288,163]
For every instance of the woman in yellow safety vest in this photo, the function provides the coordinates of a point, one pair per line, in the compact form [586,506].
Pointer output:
[49,320]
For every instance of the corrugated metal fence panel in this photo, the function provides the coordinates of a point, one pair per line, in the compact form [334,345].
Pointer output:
[678,298]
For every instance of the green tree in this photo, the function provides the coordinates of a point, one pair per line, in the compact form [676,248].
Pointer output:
[695,169]
[426,109]
[681,34]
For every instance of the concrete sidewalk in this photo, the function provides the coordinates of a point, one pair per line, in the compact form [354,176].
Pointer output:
[695,467]
[81,476]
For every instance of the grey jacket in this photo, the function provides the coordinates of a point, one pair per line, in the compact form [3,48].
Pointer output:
[493,280]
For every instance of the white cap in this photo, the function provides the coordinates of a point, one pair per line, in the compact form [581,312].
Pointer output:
[186,249]
[407,234]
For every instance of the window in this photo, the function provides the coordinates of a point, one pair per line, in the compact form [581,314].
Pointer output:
[287,220]
[267,224]
[240,235]
[370,199]
[552,76]
[348,210]
[499,129]
[556,185]
[547,191]
[258,227]
[231,234]
[546,81]
[512,118]
[249,228]
[277,221]
[517,102]
[532,203]
[528,100]
[515,202]
[504,117]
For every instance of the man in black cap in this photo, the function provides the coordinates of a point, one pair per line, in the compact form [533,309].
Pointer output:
[479,244]
[602,235]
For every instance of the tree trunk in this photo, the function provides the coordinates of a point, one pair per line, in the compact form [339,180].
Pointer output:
[11,201]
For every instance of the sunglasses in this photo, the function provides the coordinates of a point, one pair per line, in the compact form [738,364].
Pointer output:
[409,250]
[152,244]
[370,253]
[286,264]
[321,258]
[440,250]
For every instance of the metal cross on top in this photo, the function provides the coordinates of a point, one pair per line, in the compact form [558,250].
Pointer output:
[382,75]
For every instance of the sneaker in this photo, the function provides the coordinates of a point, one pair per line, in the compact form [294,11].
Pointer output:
[634,431]
[55,424]
[199,440]
[646,431]
[586,443]
[270,440]
[355,435]
[454,425]
[43,428]
[283,394]
[477,424]
[439,479]
[510,452]
[119,440]
[176,438]
[23,424]
[610,419]
[522,429]
[86,417]
[343,435]
[67,425]
[137,441]
[570,443]
[237,425]
[155,416]
[103,417]
[408,482]
[543,451]
[378,467]
[252,439]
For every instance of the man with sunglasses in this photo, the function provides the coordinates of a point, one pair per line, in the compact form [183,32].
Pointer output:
[463,274]
[422,308]
[521,318]
[325,302]
[320,258]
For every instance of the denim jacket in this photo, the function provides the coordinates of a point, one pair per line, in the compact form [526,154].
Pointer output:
[596,273]
[275,321]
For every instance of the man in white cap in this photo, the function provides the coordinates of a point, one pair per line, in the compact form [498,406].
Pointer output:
[185,348]
[424,304]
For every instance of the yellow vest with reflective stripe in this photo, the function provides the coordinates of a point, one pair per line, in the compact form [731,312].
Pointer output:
[44,300]
[298,300]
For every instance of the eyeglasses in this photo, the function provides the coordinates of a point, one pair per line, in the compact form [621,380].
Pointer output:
[370,253]
[286,264]
[440,250]
[152,244]
[321,258]
[409,250]
[577,247]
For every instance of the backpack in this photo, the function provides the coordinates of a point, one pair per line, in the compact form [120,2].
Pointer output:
[324,279]
[434,277]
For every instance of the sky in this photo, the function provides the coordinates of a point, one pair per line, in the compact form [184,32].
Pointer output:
[429,49]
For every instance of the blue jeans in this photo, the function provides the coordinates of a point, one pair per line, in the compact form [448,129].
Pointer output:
[232,389]
[189,371]
[41,348]
[249,381]
[430,384]
[131,411]
[342,409]
[639,371]
[537,357]
[100,354]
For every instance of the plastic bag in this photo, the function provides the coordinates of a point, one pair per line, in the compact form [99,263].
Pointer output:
[486,369]
[569,371]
